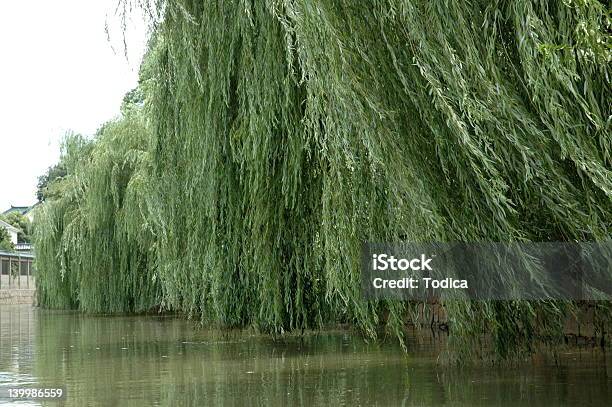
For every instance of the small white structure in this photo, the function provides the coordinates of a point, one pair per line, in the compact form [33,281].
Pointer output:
[12,231]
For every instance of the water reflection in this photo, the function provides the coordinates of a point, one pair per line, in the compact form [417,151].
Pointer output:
[137,361]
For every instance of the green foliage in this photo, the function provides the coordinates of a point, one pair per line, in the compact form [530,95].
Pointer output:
[286,133]
[53,173]
[301,129]
[92,244]
[22,223]
[5,241]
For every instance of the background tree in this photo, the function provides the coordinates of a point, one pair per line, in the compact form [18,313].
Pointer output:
[5,241]
[54,172]
[22,223]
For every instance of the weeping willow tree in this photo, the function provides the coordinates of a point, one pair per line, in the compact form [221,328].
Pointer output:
[287,133]
[94,245]
[284,134]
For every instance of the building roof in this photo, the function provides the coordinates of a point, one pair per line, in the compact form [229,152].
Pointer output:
[8,227]
[23,255]
[22,210]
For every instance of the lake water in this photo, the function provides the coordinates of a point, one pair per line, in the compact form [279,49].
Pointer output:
[166,360]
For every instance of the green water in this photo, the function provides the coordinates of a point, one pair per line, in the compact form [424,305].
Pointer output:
[150,360]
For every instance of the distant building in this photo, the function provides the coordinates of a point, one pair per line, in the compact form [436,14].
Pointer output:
[12,231]
[22,210]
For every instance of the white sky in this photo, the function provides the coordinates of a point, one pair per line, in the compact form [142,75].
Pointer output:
[58,72]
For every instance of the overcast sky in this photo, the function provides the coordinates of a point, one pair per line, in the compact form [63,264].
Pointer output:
[58,72]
